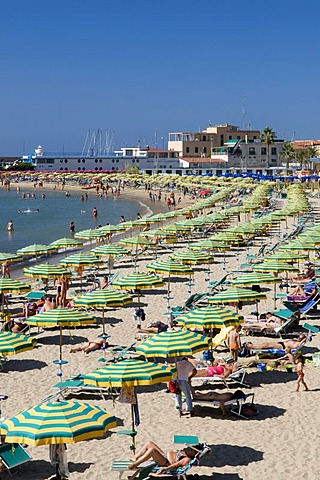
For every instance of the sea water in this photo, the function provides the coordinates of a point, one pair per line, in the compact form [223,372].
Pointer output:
[43,220]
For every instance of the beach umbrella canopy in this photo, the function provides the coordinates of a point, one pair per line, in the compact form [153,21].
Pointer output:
[62,317]
[58,422]
[46,270]
[254,278]
[138,280]
[109,249]
[300,246]
[35,249]
[275,266]
[12,343]
[175,228]
[66,243]
[80,260]
[136,241]
[11,257]
[132,373]
[107,229]
[286,256]
[190,257]
[236,295]
[102,299]
[209,245]
[169,267]
[209,317]
[7,285]
[173,343]
[90,234]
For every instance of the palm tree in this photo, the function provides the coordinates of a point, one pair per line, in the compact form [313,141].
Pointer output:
[268,137]
[287,154]
[312,152]
[302,157]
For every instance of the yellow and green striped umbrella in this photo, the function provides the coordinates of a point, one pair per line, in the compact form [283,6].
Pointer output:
[138,281]
[209,317]
[275,266]
[12,343]
[62,317]
[286,256]
[58,422]
[175,228]
[102,299]
[107,229]
[7,285]
[136,241]
[236,295]
[174,343]
[35,249]
[169,267]
[300,246]
[109,249]
[90,234]
[80,260]
[46,270]
[132,373]
[209,245]
[190,257]
[253,278]
[11,257]
[66,243]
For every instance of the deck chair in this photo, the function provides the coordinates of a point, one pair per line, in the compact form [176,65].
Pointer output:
[76,385]
[236,377]
[221,337]
[141,473]
[218,283]
[119,352]
[236,404]
[3,360]
[12,456]
[189,304]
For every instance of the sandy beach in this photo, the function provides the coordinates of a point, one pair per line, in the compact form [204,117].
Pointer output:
[280,442]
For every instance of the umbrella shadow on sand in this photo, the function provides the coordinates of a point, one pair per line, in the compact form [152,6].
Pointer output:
[264,412]
[232,455]
[66,340]
[258,379]
[23,365]
[41,469]
[222,476]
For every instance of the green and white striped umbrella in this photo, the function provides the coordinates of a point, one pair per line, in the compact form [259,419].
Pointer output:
[286,256]
[66,243]
[299,246]
[136,241]
[58,422]
[175,228]
[46,270]
[109,249]
[209,245]
[102,299]
[190,257]
[236,295]
[12,343]
[107,229]
[209,317]
[132,373]
[174,343]
[138,281]
[35,249]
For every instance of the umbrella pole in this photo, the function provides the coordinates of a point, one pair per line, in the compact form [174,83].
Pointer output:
[133,436]
[275,295]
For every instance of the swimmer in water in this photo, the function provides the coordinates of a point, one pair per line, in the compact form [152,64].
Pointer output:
[94,212]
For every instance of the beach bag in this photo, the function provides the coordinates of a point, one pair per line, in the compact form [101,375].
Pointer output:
[173,386]
[249,410]
[244,351]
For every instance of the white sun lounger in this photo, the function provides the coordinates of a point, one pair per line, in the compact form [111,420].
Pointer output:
[236,404]
[235,377]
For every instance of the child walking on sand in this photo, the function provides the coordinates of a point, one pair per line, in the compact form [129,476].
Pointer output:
[300,373]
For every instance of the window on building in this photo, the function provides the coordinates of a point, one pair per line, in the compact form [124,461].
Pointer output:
[263,151]
[66,161]
[196,150]
[187,149]
[273,160]
[252,151]
[273,150]
[230,137]
[238,137]
[204,149]
[83,160]
[100,160]
[221,140]
[204,138]
[96,160]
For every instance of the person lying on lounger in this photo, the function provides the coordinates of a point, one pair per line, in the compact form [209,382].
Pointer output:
[293,344]
[156,327]
[221,370]
[271,321]
[222,398]
[170,461]
[90,346]
[305,276]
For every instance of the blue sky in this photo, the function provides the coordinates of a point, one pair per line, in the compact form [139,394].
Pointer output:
[143,68]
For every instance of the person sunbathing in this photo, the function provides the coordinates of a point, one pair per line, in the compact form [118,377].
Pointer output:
[171,460]
[271,321]
[156,327]
[90,346]
[221,370]
[222,398]
[300,295]
[293,344]
[305,276]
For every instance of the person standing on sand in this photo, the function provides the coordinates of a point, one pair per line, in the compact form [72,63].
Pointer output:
[234,343]
[6,269]
[300,373]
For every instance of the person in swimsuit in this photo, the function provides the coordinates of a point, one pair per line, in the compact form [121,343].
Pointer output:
[293,344]
[173,459]
[90,346]
[216,370]
[300,373]
[218,397]
[234,343]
